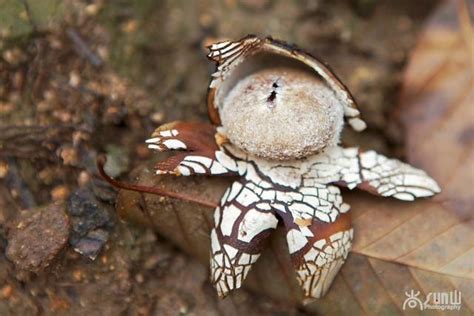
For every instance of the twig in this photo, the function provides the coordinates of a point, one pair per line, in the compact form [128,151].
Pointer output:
[83,49]
[14,182]
[145,189]
[33,141]
[29,16]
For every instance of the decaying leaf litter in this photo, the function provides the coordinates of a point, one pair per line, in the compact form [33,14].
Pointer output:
[113,108]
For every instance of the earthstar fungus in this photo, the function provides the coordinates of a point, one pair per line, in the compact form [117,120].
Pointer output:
[277,114]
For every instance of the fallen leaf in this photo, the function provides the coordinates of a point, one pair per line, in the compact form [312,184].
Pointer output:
[426,246]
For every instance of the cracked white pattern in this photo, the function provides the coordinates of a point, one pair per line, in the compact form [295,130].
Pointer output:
[296,240]
[255,222]
[174,144]
[348,165]
[301,192]
[322,262]
[228,55]
[231,214]
[166,141]
[232,249]
[202,160]
[226,161]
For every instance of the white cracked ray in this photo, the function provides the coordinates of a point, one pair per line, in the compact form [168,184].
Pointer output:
[322,262]
[233,246]
[300,191]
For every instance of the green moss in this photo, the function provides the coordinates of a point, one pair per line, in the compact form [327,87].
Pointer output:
[15,21]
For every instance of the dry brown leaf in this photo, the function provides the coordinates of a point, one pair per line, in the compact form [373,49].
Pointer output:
[425,246]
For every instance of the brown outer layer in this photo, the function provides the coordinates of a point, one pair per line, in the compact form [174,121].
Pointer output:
[280,47]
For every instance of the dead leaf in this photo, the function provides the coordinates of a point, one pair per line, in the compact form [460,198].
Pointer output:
[427,246]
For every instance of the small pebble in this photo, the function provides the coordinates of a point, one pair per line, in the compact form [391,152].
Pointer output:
[60,193]
[157,117]
[79,136]
[6,108]
[46,175]
[12,56]
[49,95]
[69,156]
[63,116]
[151,262]
[3,169]
[103,52]
[92,9]
[130,26]
[83,179]
[104,259]
[139,278]
[78,275]
[74,79]
[6,291]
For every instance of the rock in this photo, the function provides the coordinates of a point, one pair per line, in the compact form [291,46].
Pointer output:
[91,222]
[91,244]
[37,237]
[117,160]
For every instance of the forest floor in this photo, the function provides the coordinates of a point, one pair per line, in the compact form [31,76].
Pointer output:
[79,78]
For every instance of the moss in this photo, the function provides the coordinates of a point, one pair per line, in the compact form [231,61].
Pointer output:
[22,17]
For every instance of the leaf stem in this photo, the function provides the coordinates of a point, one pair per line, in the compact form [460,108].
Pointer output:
[101,160]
